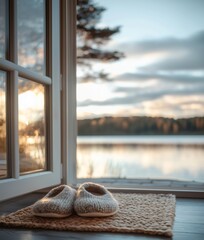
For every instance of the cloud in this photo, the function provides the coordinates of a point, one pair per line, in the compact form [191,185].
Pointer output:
[171,83]
[149,86]
[179,54]
[146,75]
[137,95]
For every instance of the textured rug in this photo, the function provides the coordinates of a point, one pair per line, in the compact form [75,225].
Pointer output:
[139,213]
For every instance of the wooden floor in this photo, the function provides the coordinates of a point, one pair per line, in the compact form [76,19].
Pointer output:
[189,223]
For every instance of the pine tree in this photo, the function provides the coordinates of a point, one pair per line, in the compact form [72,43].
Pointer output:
[91,38]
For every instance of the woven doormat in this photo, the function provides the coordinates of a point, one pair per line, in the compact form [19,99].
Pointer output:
[139,213]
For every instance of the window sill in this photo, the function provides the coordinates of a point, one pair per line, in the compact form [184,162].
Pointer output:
[187,189]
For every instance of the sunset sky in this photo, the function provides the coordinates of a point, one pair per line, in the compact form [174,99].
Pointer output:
[162,73]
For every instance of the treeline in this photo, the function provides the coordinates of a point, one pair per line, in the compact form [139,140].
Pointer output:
[141,126]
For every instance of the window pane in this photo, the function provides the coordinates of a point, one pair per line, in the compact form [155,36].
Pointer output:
[2,28]
[31,126]
[31,34]
[3,157]
[140,89]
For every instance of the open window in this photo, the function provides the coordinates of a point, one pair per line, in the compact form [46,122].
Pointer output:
[38,120]
[30,154]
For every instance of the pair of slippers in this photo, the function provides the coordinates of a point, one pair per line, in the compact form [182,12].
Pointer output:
[90,200]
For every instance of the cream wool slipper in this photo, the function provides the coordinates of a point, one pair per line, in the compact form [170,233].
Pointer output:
[94,200]
[58,203]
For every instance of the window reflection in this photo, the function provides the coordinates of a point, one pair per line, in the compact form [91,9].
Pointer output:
[31,34]
[31,126]
[2,28]
[3,157]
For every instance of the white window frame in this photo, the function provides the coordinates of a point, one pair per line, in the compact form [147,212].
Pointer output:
[68,104]
[17,184]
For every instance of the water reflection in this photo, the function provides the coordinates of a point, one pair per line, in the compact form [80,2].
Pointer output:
[141,161]
[31,126]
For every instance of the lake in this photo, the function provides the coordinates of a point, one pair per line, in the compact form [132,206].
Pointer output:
[158,157]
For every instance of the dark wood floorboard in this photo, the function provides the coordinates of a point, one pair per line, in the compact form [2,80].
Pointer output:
[189,223]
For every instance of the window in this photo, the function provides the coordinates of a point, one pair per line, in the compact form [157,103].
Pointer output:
[142,116]
[29,96]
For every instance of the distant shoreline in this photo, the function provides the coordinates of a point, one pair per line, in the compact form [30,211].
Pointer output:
[149,126]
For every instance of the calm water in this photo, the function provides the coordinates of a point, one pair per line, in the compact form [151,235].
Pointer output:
[174,157]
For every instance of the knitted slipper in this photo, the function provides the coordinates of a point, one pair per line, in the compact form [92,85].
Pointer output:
[94,200]
[58,203]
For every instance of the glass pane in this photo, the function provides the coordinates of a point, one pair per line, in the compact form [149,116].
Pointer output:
[3,157]
[31,34]
[140,89]
[31,126]
[2,28]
